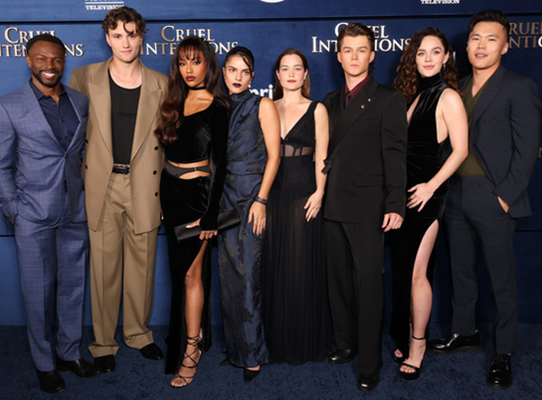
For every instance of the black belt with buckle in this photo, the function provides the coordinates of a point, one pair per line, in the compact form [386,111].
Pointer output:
[121,169]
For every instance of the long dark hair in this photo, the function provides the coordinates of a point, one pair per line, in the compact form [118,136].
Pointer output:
[173,106]
[407,71]
[306,88]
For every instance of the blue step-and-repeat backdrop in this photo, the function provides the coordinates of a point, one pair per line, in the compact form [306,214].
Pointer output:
[267,27]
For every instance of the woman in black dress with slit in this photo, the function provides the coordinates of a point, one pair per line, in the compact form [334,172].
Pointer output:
[428,78]
[194,131]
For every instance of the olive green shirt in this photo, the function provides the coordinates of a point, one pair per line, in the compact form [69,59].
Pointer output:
[471,166]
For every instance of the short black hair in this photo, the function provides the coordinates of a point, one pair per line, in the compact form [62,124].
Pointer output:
[490,16]
[44,37]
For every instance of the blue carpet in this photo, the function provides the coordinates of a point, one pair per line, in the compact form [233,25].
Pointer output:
[458,376]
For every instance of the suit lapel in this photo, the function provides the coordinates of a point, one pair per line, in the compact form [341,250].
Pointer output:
[34,112]
[149,102]
[79,112]
[490,92]
[100,106]
[344,118]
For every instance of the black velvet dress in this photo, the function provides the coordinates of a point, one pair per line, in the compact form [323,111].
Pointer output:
[201,136]
[296,309]
[423,162]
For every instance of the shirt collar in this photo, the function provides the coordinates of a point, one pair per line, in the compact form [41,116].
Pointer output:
[357,88]
[40,95]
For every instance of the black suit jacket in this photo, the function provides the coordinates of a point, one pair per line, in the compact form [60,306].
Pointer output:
[367,150]
[505,131]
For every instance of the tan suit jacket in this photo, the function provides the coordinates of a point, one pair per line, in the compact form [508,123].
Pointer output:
[147,154]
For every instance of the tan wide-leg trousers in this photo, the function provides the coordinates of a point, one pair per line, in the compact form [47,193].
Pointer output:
[121,267]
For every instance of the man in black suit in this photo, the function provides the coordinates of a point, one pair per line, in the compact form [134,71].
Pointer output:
[365,197]
[489,191]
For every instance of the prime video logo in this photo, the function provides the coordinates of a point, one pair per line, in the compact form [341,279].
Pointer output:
[272,1]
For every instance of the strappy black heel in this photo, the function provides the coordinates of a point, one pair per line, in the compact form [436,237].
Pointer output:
[194,342]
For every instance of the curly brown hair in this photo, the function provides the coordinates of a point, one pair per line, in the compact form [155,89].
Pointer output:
[126,15]
[407,80]
[189,48]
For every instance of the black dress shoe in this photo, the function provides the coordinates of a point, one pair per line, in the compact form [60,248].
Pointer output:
[51,381]
[366,384]
[456,342]
[82,368]
[341,356]
[105,363]
[250,374]
[152,352]
[500,372]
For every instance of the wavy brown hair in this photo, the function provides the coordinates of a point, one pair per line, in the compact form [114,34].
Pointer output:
[306,88]
[407,80]
[126,15]
[190,48]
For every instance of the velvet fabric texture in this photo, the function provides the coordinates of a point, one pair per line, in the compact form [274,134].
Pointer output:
[423,162]
[201,135]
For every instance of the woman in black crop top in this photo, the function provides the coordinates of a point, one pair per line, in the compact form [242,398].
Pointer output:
[194,131]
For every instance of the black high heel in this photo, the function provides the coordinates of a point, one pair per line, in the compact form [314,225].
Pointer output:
[398,360]
[410,376]
[194,342]
[250,374]
[225,362]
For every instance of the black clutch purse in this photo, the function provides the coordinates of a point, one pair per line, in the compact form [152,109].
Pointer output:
[225,221]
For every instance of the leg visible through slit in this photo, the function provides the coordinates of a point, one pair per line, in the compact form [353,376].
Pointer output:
[421,298]
[194,301]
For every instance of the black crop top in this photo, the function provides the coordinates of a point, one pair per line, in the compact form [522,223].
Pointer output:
[201,136]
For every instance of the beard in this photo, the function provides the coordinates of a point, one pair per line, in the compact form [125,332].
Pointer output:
[48,83]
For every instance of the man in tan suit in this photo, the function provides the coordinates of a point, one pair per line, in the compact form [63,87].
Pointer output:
[122,166]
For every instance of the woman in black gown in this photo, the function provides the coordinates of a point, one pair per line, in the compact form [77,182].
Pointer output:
[253,160]
[296,311]
[194,131]
[428,78]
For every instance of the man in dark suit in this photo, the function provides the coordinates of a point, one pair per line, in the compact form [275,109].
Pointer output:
[42,131]
[365,197]
[489,191]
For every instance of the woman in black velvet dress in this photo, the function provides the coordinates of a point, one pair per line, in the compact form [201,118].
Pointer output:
[194,131]
[428,78]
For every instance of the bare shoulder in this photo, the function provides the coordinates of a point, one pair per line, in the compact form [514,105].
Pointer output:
[451,98]
[320,111]
[267,105]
